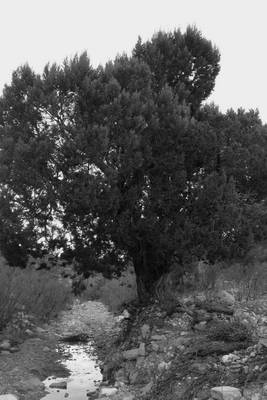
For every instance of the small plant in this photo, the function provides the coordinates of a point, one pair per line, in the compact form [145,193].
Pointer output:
[230,331]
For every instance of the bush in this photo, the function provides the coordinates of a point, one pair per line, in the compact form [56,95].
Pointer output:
[29,293]
[230,331]
[114,292]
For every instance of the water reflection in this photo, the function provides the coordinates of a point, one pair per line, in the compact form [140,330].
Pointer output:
[85,374]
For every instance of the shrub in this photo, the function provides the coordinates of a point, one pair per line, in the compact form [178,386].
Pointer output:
[30,293]
[230,331]
[113,292]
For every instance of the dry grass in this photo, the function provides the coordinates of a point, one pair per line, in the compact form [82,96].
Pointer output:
[113,292]
[26,294]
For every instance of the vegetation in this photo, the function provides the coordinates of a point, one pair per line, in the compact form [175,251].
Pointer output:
[27,295]
[115,292]
[125,162]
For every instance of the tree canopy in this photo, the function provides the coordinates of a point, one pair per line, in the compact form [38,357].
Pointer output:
[125,161]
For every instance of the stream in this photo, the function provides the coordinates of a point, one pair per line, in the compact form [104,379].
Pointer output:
[85,376]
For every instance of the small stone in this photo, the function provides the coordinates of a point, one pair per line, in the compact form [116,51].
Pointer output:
[46,349]
[5,345]
[108,391]
[142,349]
[158,337]
[225,393]
[155,346]
[58,385]
[145,331]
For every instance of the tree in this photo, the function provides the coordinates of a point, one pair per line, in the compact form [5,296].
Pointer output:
[186,62]
[123,162]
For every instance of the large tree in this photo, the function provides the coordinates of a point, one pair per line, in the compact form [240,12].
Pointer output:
[123,162]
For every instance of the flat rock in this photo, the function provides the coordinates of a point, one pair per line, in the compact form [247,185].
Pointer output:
[8,397]
[108,391]
[58,385]
[225,393]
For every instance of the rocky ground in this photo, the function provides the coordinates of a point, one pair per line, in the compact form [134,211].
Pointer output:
[200,349]
[182,351]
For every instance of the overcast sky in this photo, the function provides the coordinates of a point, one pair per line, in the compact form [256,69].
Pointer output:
[41,31]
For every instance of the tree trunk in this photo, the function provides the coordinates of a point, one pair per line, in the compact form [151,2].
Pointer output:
[148,269]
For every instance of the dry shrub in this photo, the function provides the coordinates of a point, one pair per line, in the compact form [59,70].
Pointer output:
[247,281]
[26,292]
[113,292]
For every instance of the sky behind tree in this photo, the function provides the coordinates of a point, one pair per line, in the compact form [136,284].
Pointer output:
[38,31]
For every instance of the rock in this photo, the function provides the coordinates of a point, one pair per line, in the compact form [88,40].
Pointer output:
[46,349]
[158,337]
[226,298]
[264,389]
[163,366]
[120,376]
[5,345]
[108,391]
[145,331]
[14,349]
[29,332]
[126,314]
[133,354]
[146,389]
[155,346]
[8,397]
[142,350]
[39,330]
[228,358]
[225,393]
[199,367]
[128,396]
[58,385]
[201,326]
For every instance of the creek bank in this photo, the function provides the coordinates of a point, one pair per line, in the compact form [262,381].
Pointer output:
[162,355]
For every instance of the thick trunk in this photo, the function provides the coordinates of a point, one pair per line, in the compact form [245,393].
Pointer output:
[148,270]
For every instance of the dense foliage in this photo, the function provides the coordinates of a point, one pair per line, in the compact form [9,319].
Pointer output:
[125,162]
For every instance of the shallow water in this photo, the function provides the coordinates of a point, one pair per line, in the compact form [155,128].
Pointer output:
[85,375]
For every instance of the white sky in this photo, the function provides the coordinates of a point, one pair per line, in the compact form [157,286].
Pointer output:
[41,31]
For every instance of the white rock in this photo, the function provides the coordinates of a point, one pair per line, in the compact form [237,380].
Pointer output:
[108,391]
[225,393]
[8,397]
[227,358]
[5,345]
[126,314]
[145,331]
[226,297]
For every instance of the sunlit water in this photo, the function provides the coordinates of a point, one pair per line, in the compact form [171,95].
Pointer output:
[85,375]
